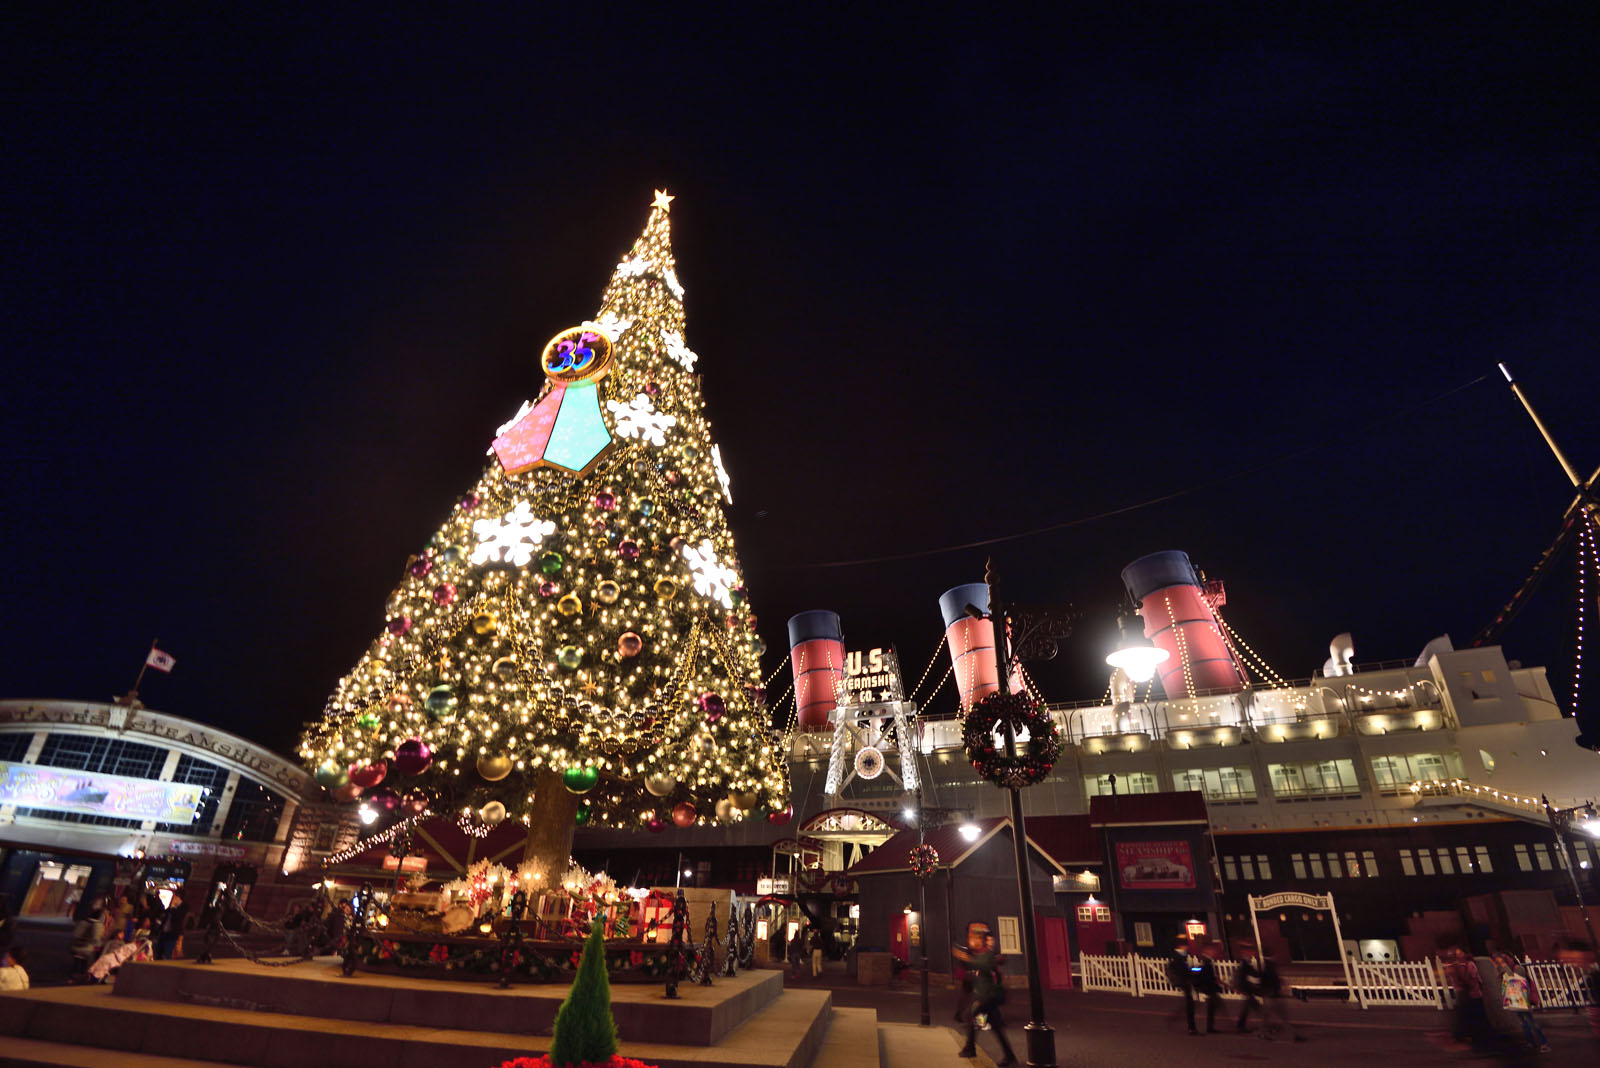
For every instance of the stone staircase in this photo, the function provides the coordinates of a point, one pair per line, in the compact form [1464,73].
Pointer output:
[307,1015]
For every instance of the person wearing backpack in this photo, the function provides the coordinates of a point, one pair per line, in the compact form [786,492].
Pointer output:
[1518,997]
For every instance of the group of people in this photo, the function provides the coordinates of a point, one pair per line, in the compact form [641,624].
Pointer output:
[317,927]
[1499,980]
[133,927]
[1193,970]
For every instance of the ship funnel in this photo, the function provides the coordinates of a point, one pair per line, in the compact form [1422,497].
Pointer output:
[1178,618]
[816,651]
[1341,656]
[969,632]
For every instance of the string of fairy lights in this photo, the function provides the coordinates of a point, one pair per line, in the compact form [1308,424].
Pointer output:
[1586,567]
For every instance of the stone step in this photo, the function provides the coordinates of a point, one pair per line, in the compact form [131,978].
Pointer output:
[786,1034]
[701,1015]
[851,1041]
[31,1053]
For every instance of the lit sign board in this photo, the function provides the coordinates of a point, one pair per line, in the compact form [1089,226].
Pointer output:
[873,677]
[1155,866]
[778,885]
[93,794]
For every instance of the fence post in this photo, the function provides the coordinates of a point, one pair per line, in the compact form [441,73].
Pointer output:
[1133,975]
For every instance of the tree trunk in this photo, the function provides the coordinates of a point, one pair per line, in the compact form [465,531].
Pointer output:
[550,826]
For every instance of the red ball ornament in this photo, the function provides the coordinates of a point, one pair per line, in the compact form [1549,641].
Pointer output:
[683,814]
[413,757]
[606,501]
[656,826]
[421,566]
[348,792]
[782,816]
[367,776]
[713,706]
[445,593]
[629,645]
[399,625]
[673,478]
[652,388]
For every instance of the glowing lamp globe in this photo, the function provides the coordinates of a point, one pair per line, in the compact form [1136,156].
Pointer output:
[1136,655]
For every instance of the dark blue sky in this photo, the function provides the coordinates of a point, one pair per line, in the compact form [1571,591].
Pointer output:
[272,282]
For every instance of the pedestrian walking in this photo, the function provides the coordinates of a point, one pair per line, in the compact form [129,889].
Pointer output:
[1472,1019]
[1518,997]
[1274,1011]
[816,953]
[796,954]
[85,945]
[1248,982]
[988,991]
[170,928]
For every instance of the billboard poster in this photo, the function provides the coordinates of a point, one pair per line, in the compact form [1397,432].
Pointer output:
[93,794]
[1155,866]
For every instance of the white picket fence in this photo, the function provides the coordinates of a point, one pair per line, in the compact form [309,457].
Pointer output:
[1410,983]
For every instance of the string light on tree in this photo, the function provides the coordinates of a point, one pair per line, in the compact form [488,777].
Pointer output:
[573,606]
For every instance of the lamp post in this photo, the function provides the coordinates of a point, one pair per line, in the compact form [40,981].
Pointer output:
[1037,630]
[1561,821]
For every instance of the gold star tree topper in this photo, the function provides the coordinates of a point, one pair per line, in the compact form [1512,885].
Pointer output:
[663,201]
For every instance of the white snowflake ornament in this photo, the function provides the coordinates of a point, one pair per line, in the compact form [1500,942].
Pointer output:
[722,473]
[639,419]
[511,539]
[613,324]
[634,266]
[711,577]
[683,354]
[670,277]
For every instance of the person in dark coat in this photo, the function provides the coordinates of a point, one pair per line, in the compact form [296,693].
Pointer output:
[170,928]
[988,991]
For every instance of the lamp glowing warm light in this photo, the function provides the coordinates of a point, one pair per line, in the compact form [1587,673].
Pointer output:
[1136,655]
[369,815]
[970,831]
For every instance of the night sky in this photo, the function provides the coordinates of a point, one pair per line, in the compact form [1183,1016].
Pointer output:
[272,282]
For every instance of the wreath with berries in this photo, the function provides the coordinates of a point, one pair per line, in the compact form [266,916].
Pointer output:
[924,861]
[983,737]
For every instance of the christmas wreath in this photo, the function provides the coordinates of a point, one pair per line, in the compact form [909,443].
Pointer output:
[924,861]
[983,737]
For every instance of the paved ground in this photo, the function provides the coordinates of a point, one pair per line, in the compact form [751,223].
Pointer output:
[1112,1030]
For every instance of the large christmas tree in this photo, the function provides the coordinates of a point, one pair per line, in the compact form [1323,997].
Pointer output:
[575,644]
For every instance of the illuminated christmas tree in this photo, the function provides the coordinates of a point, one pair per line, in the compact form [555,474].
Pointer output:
[575,644]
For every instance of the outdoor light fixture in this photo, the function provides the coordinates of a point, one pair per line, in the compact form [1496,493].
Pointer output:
[1135,654]
[909,813]
[970,831]
[369,815]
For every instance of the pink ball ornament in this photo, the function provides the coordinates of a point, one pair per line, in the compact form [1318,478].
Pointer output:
[652,388]
[399,625]
[470,501]
[385,798]
[420,566]
[548,589]
[346,793]
[629,645]
[628,550]
[713,706]
[782,816]
[656,826]
[606,501]
[367,776]
[445,593]
[413,757]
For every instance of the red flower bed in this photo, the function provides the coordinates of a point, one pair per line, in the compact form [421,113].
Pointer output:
[544,1062]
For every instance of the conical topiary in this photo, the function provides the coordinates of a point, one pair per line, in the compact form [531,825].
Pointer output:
[585,1030]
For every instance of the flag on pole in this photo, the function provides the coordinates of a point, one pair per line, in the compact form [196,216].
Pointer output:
[159,660]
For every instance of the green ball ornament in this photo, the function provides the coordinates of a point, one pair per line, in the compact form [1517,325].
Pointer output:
[647,508]
[552,562]
[332,774]
[581,816]
[580,780]
[441,700]
[369,721]
[451,555]
[570,657]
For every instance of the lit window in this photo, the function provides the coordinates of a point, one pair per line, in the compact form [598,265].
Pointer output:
[1370,859]
[1263,866]
[1316,866]
[1445,867]
[1522,858]
[1542,856]
[1228,868]
[1463,860]
[1425,861]
[1352,866]
[1299,862]
[1085,913]
[1102,914]
[1247,866]
[1483,859]
[1407,865]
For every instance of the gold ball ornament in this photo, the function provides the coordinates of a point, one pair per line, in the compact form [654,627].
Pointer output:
[494,813]
[494,768]
[724,811]
[505,668]
[666,589]
[607,592]
[569,605]
[744,799]
[485,623]
[660,785]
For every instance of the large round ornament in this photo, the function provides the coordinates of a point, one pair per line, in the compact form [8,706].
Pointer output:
[346,793]
[745,800]
[570,657]
[377,665]
[494,813]
[385,798]
[647,508]
[548,589]
[485,623]
[656,826]
[606,501]
[683,814]
[724,810]
[420,567]
[580,780]
[666,589]
[369,721]
[712,705]
[505,669]
[552,562]
[581,816]
[494,768]
[781,816]
[445,593]
[629,645]
[331,774]
[470,501]
[441,700]
[569,605]
[451,555]
[413,757]
[399,625]
[367,776]
[660,785]
[399,704]
[628,550]
[607,592]
[577,354]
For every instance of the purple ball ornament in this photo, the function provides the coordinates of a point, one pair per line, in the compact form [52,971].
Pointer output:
[470,501]
[385,798]
[421,566]
[445,593]
[606,501]
[628,550]
[548,589]
[652,388]
[399,625]
[713,706]
[656,826]
[413,757]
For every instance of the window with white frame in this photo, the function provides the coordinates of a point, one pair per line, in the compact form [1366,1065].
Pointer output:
[1482,853]
[1408,866]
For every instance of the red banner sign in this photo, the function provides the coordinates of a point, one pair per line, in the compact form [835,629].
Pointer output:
[1155,866]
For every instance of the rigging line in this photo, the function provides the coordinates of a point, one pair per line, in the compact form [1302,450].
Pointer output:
[1150,503]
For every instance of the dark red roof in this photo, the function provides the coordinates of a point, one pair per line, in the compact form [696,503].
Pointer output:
[1186,806]
[1070,841]
[895,854]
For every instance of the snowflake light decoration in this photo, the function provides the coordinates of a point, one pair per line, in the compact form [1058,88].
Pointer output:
[678,350]
[639,419]
[722,473]
[613,324]
[670,277]
[512,538]
[634,266]
[711,577]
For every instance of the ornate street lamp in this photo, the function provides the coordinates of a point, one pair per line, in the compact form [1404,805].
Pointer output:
[1563,821]
[1136,655]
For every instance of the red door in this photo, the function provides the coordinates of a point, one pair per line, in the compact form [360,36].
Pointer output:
[900,937]
[1057,956]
